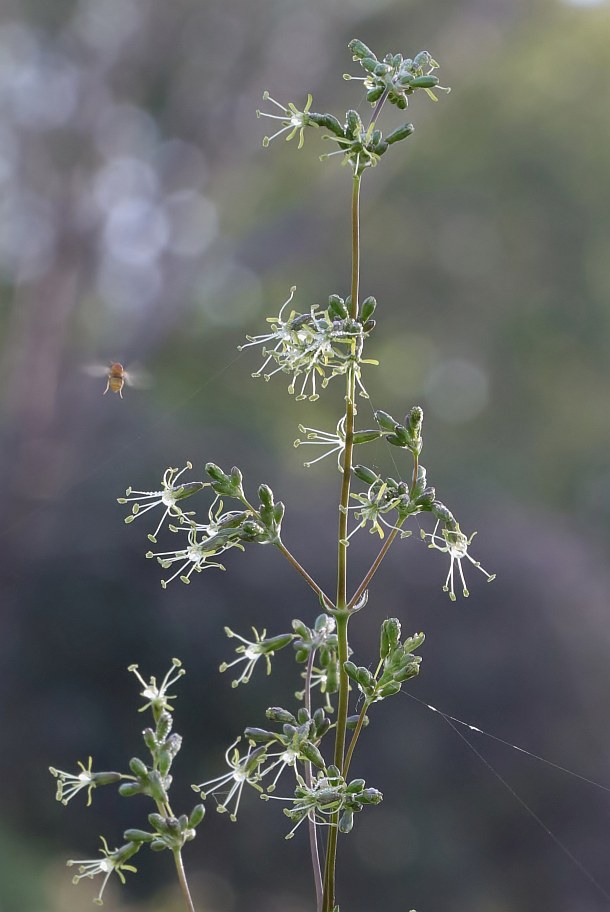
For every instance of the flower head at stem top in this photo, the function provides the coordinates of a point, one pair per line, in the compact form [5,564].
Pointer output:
[291,119]
[157,696]
[167,497]
[111,861]
[242,770]
[453,542]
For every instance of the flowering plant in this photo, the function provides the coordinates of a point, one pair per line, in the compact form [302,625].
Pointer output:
[310,747]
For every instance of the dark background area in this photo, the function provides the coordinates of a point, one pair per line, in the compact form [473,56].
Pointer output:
[141,220]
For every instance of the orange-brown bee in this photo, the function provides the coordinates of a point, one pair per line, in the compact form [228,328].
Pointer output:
[116,376]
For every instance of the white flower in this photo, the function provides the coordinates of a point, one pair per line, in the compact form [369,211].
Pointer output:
[242,770]
[69,785]
[111,861]
[334,442]
[285,758]
[455,544]
[371,508]
[196,556]
[156,695]
[292,119]
[167,497]
[252,650]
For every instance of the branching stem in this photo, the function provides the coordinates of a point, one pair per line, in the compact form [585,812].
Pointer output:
[308,579]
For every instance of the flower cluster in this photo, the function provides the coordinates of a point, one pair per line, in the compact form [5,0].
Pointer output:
[395,76]
[316,346]
[152,780]
[329,796]
[223,530]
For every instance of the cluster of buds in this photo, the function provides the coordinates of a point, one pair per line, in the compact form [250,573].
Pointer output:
[317,345]
[394,79]
[328,796]
[396,664]
[395,76]
[298,740]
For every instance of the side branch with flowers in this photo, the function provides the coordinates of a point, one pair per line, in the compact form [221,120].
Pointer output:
[314,743]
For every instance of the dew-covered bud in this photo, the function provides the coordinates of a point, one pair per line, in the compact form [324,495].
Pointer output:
[277,714]
[390,636]
[359,49]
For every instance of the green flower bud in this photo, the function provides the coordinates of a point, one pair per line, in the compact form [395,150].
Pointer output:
[385,421]
[374,94]
[409,671]
[311,752]
[106,778]
[337,307]
[159,823]
[366,436]
[368,476]
[329,121]
[351,670]
[129,789]
[215,472]
[390,637]
[196,816]
[356,785]
[443,514]
[368,308]
[352,721]
[400,133]
[259,735]
[277,714]
[399,438]
[150,739]
[164,762]
[301,629]
[266,495]
[388,690]
[138,767]
[135,835]
[413,642]
[353,123]
[359,49]
[425,82]
[346,821]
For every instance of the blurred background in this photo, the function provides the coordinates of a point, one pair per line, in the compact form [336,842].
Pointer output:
[141,221]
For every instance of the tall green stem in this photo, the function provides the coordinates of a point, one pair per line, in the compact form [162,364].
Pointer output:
[341,612]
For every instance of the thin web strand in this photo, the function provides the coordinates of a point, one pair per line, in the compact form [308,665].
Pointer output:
[575,861]
[521,750]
